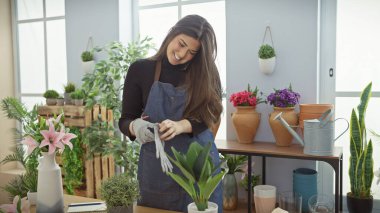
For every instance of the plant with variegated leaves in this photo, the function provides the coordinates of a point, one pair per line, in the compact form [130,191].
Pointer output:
[199,180]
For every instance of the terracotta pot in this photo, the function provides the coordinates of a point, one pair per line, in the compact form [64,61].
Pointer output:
[281,134]
[312,111]
[245,121]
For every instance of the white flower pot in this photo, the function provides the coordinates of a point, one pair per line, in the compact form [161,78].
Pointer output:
[32,198]
[212,208]
[88,66]
[267,65]
[51,101]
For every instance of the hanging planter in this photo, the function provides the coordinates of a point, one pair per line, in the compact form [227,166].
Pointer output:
[267,55]
[87,56]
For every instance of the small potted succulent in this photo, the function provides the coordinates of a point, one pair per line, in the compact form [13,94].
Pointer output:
[51,97]
[78,97]
[200,179]
[88,63]
[69,88]
[267,59]
[120,192]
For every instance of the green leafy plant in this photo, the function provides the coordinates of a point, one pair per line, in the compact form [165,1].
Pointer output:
[266,51]
[361,161]
[70,87]
[97,137]
[198,169]
[77,94]
[51,94]
[104,82]
[87,56]
[72,161]
[255,180]
[235,162]
[120,190]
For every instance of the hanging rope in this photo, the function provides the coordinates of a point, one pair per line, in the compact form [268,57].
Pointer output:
[270,34]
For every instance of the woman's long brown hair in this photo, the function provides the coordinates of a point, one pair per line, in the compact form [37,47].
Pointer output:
[204,92]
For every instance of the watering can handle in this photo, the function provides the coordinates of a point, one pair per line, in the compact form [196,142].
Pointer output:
[325,118]
[348,125]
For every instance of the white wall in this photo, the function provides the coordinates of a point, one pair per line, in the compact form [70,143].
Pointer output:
[85,18]
[294,30]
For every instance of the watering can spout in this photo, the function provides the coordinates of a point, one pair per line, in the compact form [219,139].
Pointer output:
[286,125]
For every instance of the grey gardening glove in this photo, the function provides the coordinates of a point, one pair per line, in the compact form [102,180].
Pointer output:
[160,152]
[143,130]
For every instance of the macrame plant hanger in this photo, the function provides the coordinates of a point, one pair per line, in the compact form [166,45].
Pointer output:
[267,65]
[90,44]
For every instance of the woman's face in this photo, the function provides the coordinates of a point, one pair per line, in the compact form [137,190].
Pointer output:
[182,49]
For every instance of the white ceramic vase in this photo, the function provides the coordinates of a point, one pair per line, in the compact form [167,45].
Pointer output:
[212,208]
[49,188]
[267,65]
[88,66]
[32,198]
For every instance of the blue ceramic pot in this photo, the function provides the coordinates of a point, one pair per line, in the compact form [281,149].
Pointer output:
[305,183]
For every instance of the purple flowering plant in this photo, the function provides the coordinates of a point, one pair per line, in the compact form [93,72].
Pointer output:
[284,98]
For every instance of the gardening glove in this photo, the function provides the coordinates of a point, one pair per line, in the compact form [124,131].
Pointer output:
[160,152]
[142,130]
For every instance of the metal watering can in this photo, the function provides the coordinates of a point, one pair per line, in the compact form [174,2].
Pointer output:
[318,134]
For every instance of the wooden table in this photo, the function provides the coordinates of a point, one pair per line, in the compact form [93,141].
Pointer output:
[68,199]
[294,151]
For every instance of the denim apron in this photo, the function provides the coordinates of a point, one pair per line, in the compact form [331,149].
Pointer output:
[157,189]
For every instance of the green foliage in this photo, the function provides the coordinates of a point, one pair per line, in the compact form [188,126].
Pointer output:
[87,56]
[97,137]
[361,161]
[70,87]
[255,180]
[198,169]
[235,162]
[104,82]
[266,51]
[77,94]
[120,190]
[51,94]
[73,164]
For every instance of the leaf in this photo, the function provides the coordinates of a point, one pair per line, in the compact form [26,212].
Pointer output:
[212,183]
[200,163]
[186,185]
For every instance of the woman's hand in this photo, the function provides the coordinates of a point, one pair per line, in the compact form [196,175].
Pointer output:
[169,129]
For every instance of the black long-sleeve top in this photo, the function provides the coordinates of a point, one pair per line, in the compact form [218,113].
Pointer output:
[137,86]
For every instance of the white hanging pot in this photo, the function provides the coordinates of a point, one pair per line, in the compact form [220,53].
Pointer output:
[212,208]
[88,66]
[267,65]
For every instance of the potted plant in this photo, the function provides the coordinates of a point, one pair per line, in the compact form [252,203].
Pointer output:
[283,101]
[267,59]
[78,97]
[230,190]
[361,160]
[120,192]
[69,88]
[88,63]
[51,97]
[246,120]
[199,180]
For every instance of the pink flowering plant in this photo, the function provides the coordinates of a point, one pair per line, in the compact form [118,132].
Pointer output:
[247,97]
[18,206]
[284,98]
[50,136]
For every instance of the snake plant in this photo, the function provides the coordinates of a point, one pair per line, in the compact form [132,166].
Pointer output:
[361,161]
[199,179]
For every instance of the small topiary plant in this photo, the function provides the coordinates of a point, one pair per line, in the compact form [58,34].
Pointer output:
[69,88]
[87,56]
[266,51]
[51,94]
[77,94]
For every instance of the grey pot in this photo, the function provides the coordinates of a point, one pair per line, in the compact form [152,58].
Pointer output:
[51,101]
[67,98]
[78,102]
[121,209]
[60,101]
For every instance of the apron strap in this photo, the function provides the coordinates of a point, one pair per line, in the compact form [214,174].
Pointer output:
[157,71]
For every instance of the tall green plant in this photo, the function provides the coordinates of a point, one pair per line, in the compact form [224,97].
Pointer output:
[198,169]
[235,162]
[105,80]
[361,161]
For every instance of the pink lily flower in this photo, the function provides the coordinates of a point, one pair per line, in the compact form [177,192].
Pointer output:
[52,139]
[12,208]
[30,142]
[54,121]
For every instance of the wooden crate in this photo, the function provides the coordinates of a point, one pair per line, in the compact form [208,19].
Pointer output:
[100,167]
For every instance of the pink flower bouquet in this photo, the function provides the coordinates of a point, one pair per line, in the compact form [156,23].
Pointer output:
[50,135]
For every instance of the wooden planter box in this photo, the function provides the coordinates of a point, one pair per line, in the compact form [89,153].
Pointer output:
[98,168]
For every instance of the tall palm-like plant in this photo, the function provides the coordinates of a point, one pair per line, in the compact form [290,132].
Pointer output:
[361,161]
